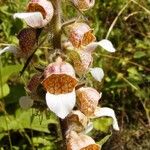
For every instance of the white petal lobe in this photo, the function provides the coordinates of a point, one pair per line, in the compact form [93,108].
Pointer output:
[105,44]
[10,48]
[105,111]
[97,73]
[61,104]
[33,19]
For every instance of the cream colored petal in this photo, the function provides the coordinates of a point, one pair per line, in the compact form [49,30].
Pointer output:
[105,44]
[61,104]
[80,141]
[25,102]
[97,73]
[33,19]
[10,48]
[105,111]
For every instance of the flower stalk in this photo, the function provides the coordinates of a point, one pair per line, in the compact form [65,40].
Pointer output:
[57,24]
[57,46]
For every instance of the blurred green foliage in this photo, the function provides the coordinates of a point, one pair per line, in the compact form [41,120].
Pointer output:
[125,87]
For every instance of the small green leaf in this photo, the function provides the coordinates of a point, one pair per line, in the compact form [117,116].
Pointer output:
[9,70]
[104,140]
[22,120]
[102,124]
[139,54]
[4,91]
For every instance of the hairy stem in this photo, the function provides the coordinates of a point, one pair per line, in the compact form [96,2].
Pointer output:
[57,46]
[57,24]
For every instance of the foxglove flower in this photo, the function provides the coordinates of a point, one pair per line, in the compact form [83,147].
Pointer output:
[83,5]
[60,82]
[87,100]
[82,61]
[79,141]
[27,39]
[39,13]
[80,34]
[77,121]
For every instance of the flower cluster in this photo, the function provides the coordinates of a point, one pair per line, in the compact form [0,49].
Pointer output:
[58,84]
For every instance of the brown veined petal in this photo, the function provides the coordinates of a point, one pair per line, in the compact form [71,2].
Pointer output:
[80,34]
[59,77]
[59,84]
[84,5]
[91,147]
[80,141]
[44,7]
[87,100]
[27,39]
[77,121]
[82,61]
[34,82]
